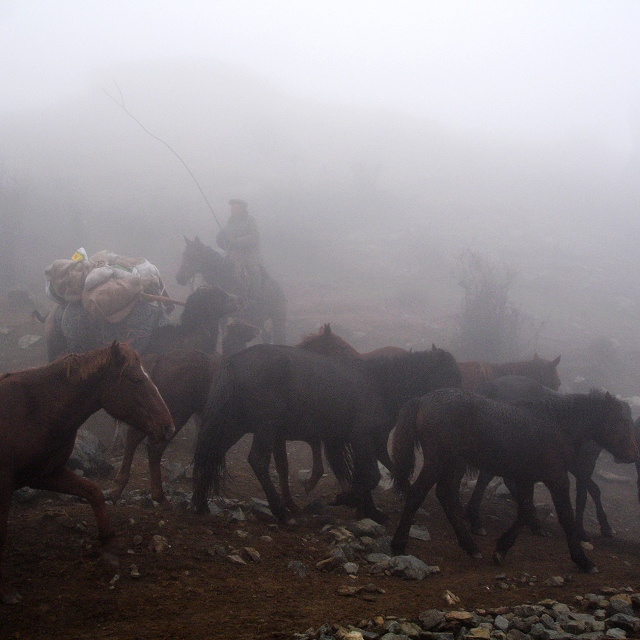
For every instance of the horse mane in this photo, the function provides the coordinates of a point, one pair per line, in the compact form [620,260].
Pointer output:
[413,373]
[82,366]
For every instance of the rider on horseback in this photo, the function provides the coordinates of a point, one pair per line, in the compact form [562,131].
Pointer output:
[241,241]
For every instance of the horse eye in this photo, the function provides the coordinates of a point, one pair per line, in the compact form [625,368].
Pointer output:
[134,378]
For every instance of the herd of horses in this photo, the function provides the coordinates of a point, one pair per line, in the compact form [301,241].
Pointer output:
[356,409]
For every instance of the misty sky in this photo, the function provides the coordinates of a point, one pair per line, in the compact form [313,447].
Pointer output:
[505,68]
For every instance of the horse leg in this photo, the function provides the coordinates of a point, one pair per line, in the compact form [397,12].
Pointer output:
[366,477]
[523,493]
[282,468]
[8,595]
[472,510]
[415,497]
[449,499]
[154,456]
[317,470]
[259,459]
[581,504]
[534,524]
[558,486]
[594,491]
[133,438]
[65,481]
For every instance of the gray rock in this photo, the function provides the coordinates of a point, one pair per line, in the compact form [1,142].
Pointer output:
[616,633]
[501,623]
[624,621]
[298,567]
[431,619]
[87,456]
[367,527]
[419,533]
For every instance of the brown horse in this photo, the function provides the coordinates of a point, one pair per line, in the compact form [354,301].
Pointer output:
[41,411]
[270,304]
[543,371]
[183,379]
[451,425]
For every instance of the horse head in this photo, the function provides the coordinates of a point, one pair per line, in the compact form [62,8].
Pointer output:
[199,258]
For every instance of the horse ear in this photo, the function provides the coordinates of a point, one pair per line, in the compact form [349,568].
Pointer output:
[327,329]
[556,362]
[433,346]
[115,352]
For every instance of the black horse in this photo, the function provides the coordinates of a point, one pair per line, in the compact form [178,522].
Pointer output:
[527,392]
[269,304]
[284,393]
[507,440]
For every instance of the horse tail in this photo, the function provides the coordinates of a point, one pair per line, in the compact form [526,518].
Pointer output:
[209,460]
[405,440]
[340,457]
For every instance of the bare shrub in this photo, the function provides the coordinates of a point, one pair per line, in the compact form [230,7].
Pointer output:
[489,324]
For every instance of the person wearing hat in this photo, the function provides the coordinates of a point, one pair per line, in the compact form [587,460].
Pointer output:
[241,241]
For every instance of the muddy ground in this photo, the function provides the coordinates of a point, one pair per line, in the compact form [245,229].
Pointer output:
[190,590]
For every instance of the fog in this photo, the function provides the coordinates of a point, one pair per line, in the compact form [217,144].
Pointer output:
[394,135]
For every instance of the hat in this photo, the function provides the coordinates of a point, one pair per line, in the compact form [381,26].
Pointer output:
[242,203]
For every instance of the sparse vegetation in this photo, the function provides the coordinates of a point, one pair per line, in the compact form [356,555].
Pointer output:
[489,324]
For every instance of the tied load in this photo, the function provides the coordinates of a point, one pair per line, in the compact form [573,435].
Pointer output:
[107,284]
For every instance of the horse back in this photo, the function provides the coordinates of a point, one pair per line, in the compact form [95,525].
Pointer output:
[488,434]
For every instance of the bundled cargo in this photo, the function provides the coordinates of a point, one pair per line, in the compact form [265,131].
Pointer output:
[107,284]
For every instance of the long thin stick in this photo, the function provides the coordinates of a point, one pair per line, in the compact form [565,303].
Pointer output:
[121,104]
[150,296]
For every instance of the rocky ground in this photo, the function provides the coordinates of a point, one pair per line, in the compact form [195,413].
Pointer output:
[235,574]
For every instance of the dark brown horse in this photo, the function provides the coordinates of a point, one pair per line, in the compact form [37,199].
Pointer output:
[269,304]
[280,393]
[287,400]
[451,425]
[325,343]
[530,394]
[543,371]
[199,324]
[183,379]
[41,411]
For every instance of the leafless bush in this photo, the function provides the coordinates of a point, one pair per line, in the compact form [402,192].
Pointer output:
[489,325]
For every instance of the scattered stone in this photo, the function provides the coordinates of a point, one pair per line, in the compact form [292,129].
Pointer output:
[159,544]
[419,533]
[554,581]
[133,571]
[450,598]
[234,558]
[298,567]
[367,527]
[250,554]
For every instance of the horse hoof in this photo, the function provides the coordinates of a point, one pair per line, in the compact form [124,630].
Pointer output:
[593,569]
[498,557]
[607,533]
[479,531]
[477,555]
